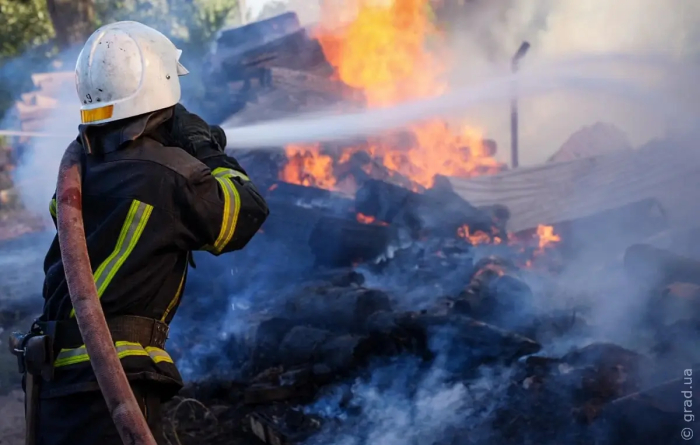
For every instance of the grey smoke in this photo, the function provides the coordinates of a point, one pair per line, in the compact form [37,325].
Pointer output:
[623,76]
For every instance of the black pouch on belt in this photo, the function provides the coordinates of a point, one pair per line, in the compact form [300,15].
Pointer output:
[34,352]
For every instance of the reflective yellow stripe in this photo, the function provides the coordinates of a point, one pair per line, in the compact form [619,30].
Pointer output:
[52,208]
[124,349]
[132,229]
[176,298]
[232,207]
[222,172]
[158,355]
[96,114]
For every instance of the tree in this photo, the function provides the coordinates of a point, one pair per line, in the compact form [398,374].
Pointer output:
[73,21]
[24,24]
[28,42]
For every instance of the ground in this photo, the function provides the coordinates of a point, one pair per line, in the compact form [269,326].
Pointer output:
[20,301]
[12,418]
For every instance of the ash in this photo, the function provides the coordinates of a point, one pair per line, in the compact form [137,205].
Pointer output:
[396,328]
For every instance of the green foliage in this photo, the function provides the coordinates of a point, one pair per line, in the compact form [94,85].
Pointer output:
[190,22]
[27,32]
[24,24]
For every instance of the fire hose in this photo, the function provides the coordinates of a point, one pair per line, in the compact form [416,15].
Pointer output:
[121,402]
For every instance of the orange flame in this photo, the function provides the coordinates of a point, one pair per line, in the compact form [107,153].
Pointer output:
[365,219]
[546,237]
[543,238]
[308,167]
[368,219]
[392,52]
[476,238]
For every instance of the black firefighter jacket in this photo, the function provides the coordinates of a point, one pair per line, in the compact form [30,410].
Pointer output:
[146,206]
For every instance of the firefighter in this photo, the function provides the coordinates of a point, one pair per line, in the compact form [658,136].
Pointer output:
[157,185]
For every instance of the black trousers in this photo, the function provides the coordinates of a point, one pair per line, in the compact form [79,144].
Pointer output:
[83,419]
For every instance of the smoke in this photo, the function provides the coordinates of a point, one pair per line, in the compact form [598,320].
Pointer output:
[595,77]
[36,175]
[488,33]
[402,402]
[50,107]
[629,63]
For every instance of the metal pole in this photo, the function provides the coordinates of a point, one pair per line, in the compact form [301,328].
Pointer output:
[243,8]
[514,105]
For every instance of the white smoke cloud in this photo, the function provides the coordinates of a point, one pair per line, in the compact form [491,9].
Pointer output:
[36,175]
[489,35]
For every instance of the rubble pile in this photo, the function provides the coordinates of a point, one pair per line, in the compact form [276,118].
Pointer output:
[294,374]
[405,292]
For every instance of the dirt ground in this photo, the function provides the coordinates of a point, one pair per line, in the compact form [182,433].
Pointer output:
[12,418]
[21,278]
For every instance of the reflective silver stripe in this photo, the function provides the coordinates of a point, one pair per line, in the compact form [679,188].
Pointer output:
[124,349]
[70,353]
[132,229]
[232,206]
[227,173]
[131,232]
[158,355]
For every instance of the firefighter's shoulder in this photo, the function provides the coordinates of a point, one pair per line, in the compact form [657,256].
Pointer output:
[174,159]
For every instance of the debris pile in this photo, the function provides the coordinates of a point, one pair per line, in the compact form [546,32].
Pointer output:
[295,371]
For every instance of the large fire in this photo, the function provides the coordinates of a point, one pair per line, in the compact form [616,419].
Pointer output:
[392,52]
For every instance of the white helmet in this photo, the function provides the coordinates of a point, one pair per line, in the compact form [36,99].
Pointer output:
[126,69]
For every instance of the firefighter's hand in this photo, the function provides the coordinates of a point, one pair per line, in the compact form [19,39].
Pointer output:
[190,132]
[219,136]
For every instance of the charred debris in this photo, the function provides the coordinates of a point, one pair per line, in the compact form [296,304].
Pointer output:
[400,313]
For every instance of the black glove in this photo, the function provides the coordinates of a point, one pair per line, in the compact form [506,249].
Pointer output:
[192,134]
[219,136]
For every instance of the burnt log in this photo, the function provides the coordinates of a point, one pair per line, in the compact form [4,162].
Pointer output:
[555,400]
[260,43]
[555,325]
[607,371]
[296,80]
[676,345]
[654,268]
[291,222]
[308,197]
[651,416]
[323,351]
[361,167]
[341,242]
[300,344]
[345,277]
[467,342]
[438,211]
[497,295]
[676,302]
[239,68]
[281,425]
[338,309]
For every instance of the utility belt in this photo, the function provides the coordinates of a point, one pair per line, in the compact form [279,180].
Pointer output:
[36,350]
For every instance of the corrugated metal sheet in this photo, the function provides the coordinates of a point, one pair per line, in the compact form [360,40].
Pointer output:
[557,192]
